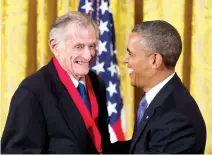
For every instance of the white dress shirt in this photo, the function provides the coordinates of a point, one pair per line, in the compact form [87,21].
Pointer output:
[76,82]
[150,95]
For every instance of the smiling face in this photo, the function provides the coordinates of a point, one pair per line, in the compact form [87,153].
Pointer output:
[78,51]
[139,63]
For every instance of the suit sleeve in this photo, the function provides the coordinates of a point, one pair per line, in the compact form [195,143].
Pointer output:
[121,147]
[25,128]
[173,134]
[115,148]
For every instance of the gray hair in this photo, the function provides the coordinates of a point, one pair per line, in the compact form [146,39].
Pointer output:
[161,37]
[82,20]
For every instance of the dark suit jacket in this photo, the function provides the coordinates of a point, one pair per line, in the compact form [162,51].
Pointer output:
[171,124]
[43,118]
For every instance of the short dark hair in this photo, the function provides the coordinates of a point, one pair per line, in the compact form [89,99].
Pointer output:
[160,36]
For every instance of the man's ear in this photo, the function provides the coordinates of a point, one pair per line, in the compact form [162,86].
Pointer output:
[53,44]
[157,60]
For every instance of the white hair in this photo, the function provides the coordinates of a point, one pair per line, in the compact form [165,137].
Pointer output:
[58,29]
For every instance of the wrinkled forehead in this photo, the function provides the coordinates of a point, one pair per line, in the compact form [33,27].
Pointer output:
[77,31]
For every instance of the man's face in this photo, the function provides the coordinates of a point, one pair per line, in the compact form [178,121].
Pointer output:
[79,50]
[138,62]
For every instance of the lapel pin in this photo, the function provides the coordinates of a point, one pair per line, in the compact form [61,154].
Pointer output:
[147,117]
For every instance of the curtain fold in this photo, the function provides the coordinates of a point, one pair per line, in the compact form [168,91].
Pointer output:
[14,38]
[123,14]
[201,62]
[46,14]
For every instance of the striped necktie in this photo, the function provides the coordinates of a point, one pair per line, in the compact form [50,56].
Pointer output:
[141,109]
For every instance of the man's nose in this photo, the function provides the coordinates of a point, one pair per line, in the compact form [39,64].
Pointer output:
[87,53]
[125,60]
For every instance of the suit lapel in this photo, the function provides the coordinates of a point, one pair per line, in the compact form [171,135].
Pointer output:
[156,102]
[66,105]
[137,132]
[70,113]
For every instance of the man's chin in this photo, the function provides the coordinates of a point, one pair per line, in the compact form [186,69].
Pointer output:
[133,84]
[83,73]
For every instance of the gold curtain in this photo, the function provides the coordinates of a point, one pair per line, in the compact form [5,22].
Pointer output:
[24,45]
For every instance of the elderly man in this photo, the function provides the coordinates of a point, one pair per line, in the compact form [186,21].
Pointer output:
[168,118]
[62,107]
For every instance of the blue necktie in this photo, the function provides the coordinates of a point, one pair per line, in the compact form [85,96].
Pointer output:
[83,94]
[141,109]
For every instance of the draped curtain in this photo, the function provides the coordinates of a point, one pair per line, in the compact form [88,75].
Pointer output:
[24,46]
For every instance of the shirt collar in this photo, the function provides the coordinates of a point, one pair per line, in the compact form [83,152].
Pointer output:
[150,95]
[76,82]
